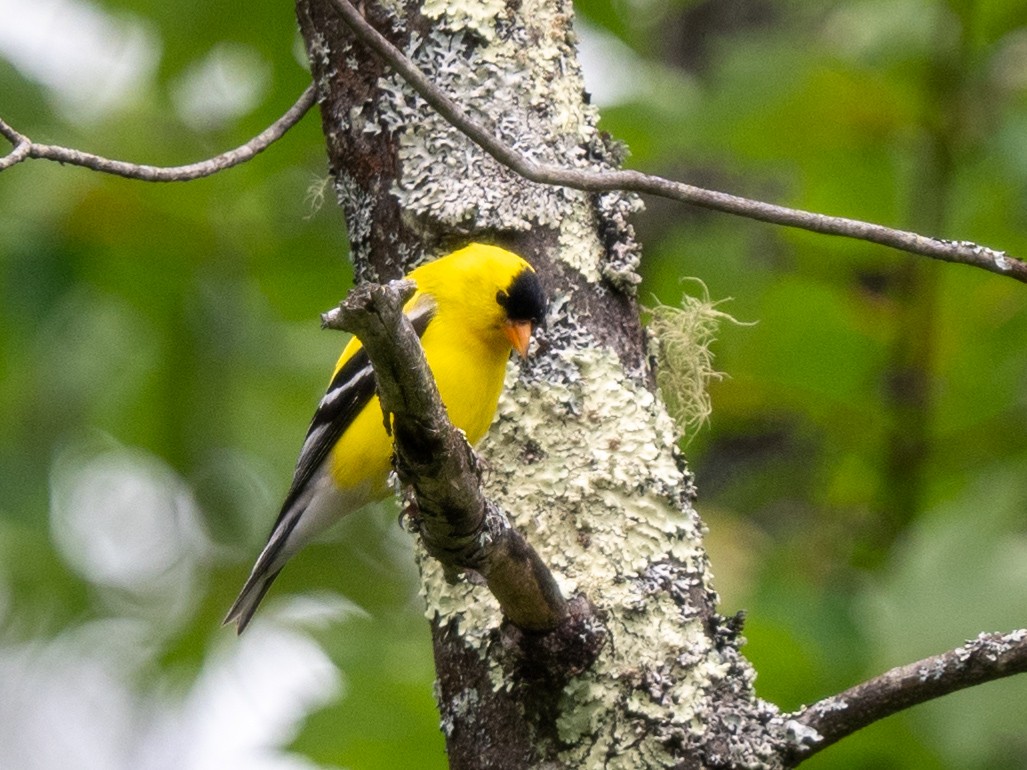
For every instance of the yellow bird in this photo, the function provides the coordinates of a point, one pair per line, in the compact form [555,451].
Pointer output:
[470,309]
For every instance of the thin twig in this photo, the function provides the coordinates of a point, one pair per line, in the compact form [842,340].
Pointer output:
[964,252]
[984,659]
[25,148]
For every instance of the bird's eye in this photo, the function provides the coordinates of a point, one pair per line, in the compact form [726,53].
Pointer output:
[502,298]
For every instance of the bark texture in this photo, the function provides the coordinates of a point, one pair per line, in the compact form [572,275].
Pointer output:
[582,453]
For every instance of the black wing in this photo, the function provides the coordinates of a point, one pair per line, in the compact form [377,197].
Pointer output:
[348,393]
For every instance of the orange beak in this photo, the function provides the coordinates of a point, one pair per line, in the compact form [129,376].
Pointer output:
[519,334]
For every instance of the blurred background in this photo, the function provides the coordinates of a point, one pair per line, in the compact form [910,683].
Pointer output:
[863,473]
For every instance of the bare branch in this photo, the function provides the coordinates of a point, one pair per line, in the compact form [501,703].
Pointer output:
[458,525]
[25,148]
[984,659]
[964,252]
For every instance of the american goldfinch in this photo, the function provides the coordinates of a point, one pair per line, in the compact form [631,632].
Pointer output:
[470,309]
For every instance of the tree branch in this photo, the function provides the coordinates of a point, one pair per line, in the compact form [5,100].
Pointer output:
[984,659]
[964,252]
[25,148]
[458,525]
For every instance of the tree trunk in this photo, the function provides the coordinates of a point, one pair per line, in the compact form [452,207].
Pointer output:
[582,454]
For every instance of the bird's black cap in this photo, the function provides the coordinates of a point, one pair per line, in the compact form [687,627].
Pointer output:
[524,299]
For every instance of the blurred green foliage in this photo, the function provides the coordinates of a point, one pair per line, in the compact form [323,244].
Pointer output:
[863,472]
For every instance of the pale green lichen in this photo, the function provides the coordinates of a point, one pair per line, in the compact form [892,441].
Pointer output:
[684,336]
[602,494]
[610,484]
[578,241]
[479,16]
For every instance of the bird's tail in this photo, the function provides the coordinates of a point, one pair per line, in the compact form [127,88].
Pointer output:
[249,597]
[297,522]
[308,509]
[269,564]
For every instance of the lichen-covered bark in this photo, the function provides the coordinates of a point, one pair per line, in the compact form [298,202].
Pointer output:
[582,453]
